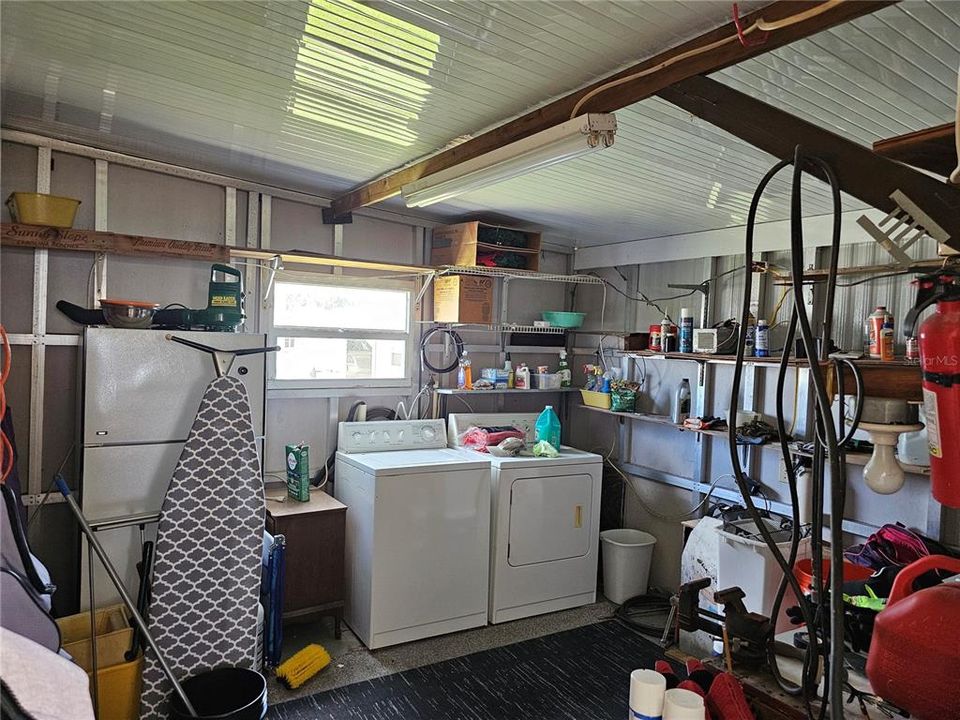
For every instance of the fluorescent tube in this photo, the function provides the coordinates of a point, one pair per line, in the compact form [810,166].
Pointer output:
[573,138]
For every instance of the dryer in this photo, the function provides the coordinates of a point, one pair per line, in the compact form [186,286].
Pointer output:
[417,531]
[544,523]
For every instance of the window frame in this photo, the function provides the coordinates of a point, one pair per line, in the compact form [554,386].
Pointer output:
[274,332]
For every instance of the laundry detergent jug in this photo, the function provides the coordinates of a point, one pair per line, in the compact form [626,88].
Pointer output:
[915,649]
[548,427]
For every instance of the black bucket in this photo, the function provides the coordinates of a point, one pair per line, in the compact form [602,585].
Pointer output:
[223,694]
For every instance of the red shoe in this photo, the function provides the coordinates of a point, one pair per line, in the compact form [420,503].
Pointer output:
[666,669]
[726,699]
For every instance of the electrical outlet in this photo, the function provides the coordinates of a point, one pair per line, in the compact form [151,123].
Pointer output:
[784,478]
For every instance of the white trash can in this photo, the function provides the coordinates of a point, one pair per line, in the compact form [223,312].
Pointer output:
[626,563]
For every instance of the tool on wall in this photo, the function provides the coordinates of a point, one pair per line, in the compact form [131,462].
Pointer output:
[224,311]
[939,341]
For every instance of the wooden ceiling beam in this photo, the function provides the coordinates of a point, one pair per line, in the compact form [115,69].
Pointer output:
[932,149]
[557,111]
[860,171]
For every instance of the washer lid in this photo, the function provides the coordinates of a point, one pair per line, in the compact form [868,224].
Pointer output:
[409,462]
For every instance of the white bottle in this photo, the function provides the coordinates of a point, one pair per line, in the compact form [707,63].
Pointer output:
[521,377]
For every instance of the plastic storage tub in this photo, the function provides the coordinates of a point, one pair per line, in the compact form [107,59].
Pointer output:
[559,319]
[545,381]
[626,563]
[41,209]
[596,399]
[749,564]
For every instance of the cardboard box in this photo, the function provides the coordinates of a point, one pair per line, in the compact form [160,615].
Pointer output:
[463,299]
[459,245]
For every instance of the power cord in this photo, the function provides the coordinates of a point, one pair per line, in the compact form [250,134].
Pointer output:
[424,353]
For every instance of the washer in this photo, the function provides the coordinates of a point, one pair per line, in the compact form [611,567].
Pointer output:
[417,531]
[545,524]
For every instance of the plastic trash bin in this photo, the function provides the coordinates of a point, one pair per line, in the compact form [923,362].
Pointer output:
[626,563]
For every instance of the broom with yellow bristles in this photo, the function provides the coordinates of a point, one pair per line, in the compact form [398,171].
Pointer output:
[302,666]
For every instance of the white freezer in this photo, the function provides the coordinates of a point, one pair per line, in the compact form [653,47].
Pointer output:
[140,387]
[140,395]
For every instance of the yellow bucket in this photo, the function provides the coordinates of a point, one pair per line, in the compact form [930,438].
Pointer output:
[41,209]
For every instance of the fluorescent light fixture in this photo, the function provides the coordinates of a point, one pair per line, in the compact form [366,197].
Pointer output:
[573,138]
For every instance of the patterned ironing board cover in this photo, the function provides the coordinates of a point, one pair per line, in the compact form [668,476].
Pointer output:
[206,578]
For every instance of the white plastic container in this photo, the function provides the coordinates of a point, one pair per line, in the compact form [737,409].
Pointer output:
[545,381]
[680,704]
[626,563]
[749,565]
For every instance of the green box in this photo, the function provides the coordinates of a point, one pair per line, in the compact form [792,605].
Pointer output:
[298,472]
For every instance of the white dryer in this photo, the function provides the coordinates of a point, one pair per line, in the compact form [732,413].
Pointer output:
[545,524]
[417,531]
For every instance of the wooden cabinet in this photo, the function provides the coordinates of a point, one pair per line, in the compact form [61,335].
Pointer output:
[314,530]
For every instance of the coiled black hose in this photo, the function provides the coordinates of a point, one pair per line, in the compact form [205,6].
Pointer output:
[457,341]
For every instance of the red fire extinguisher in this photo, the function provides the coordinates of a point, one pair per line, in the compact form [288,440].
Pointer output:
[939,341]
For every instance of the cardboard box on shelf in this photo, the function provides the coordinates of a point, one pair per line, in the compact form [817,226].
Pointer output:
[463,299]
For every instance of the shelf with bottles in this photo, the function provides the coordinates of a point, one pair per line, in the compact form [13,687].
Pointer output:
[714,359]
[853,458]
[504,391]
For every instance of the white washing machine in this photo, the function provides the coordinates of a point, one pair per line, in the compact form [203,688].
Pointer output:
[545,524]
[417,531]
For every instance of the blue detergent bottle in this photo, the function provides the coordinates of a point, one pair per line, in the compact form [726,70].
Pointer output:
[548,427]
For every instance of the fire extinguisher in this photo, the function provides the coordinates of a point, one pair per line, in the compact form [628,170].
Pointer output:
[939,341]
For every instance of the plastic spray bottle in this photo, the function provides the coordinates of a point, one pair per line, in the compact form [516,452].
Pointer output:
[465,373]
[563,368]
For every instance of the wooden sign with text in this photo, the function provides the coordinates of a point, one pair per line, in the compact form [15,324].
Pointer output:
[37,236]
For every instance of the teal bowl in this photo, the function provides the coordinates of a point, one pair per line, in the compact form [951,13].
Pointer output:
[564,319]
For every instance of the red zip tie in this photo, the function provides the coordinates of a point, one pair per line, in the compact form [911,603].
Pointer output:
[740,35]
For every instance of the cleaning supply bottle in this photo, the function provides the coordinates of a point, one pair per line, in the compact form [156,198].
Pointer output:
[521,378]
[508,367]
[748,350]
[761,339]
[887,341]
[465,373]
[680,410]
[686,330]
[563,369]
[548,427]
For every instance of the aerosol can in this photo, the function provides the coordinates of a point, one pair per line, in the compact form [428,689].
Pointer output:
[939,341]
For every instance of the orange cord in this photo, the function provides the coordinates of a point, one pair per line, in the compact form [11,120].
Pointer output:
[6,458]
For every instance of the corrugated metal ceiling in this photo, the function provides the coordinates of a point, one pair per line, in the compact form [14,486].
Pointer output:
[335,92]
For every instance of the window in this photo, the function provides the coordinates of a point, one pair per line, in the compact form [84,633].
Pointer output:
[341,333]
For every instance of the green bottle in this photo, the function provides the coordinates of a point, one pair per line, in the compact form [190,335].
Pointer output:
[564,369]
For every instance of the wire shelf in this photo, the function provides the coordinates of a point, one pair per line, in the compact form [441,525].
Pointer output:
[495,328]
[518,274]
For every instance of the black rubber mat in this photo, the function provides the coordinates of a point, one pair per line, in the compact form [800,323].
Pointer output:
[581,674]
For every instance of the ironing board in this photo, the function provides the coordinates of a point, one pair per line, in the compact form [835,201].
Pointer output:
[206,584]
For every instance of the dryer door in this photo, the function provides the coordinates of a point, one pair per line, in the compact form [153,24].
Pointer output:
[549,518]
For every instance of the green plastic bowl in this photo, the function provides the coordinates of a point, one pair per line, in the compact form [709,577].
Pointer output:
[564,319]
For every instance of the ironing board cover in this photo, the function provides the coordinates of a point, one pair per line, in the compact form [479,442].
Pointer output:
[206,578]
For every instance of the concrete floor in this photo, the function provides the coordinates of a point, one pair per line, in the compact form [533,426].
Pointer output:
[352,662]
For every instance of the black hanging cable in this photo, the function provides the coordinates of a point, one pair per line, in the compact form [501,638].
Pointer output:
[811,659]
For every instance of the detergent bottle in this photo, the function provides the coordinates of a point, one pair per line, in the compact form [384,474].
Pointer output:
[548,427]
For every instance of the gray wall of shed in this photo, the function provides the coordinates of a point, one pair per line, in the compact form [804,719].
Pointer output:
[148,203]
[665,449]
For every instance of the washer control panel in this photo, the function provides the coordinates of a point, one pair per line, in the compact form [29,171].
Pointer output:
[379,436]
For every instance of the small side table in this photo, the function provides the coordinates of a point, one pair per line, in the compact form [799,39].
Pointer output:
[314,530]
